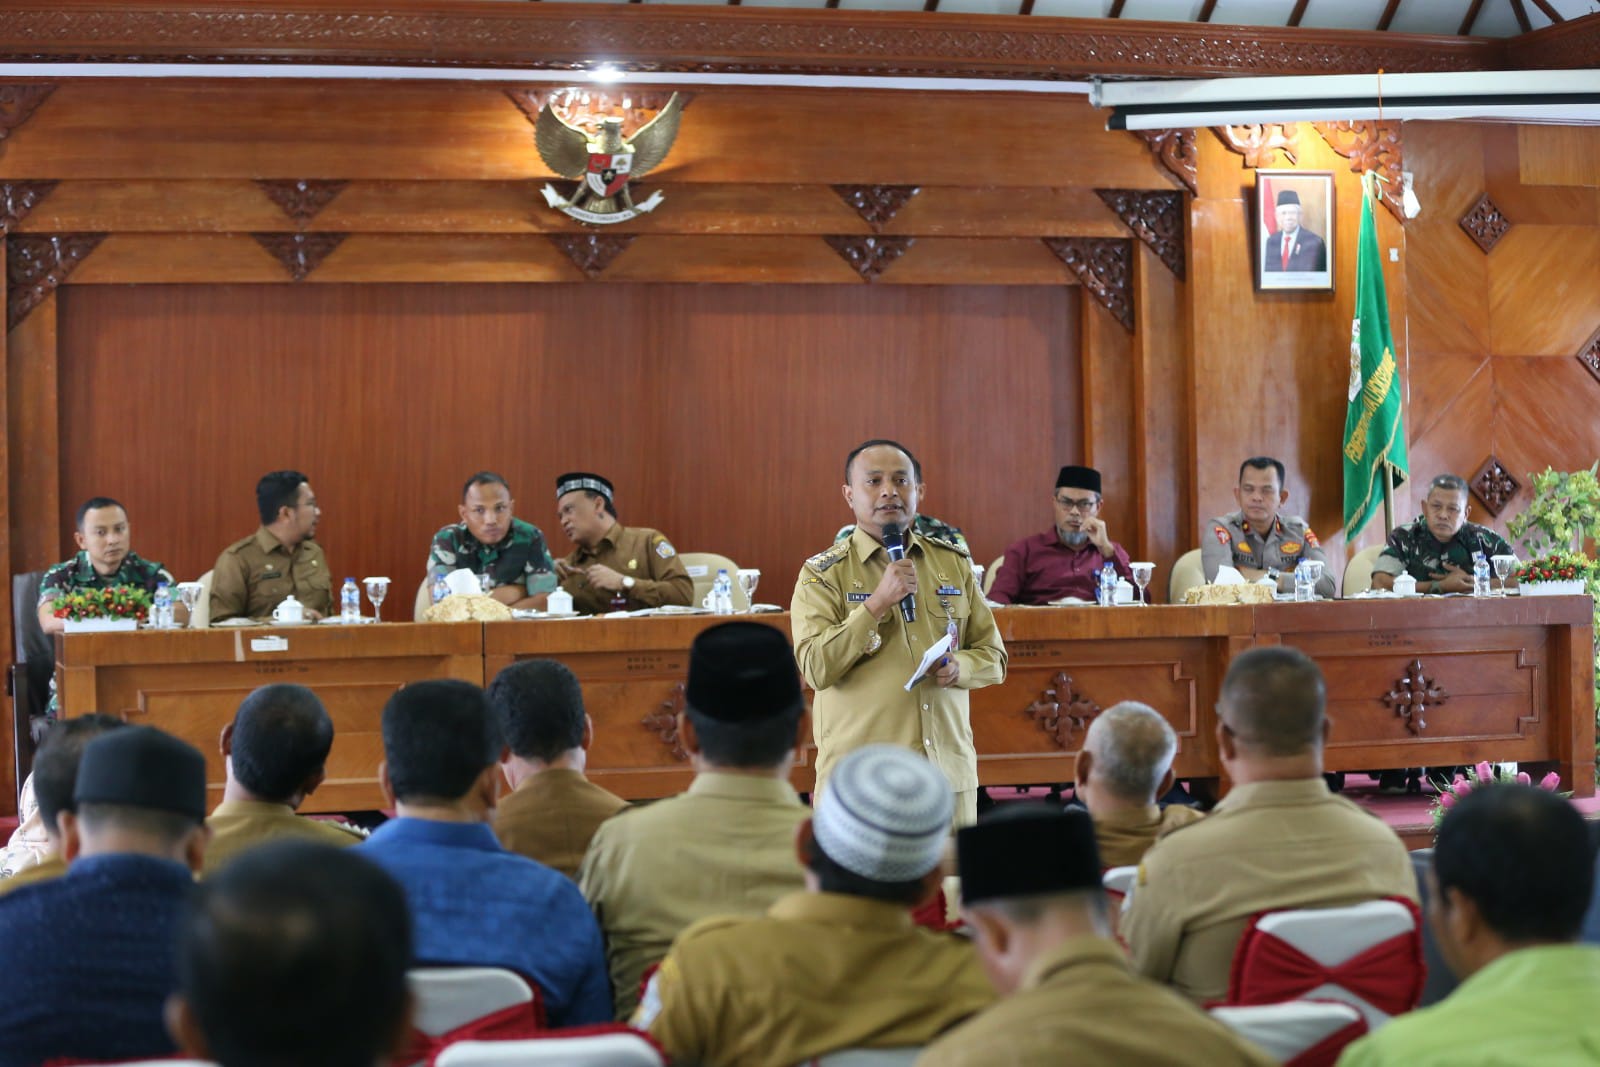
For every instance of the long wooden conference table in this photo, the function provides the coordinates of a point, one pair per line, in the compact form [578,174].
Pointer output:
[1410,683]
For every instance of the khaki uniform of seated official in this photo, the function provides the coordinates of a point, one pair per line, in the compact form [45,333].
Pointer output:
[55,771]
[552,811]
[726,846]
[255,574]
[1278,840]
[274,751]
[840,965]
[1125,764]
[1031,892]
[1258,541]
[636,565]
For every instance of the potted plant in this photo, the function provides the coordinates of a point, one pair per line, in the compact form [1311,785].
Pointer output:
[1555,574]
[116,607]
[1483,777]
[1565,507]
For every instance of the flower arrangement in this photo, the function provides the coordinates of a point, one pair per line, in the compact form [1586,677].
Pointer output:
[111,602]
[1483,777]
[1565,507]
[1556,567]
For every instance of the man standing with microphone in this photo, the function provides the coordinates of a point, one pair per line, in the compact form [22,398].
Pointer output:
[866,611]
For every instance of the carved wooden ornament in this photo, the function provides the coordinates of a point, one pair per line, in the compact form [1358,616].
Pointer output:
[592,253]
[1258,144]
[1061,711]
[1413,695]
[587,108]
[1484,223]
[1177,153]
[663,722]
[18,102]
[1104,266]
[35,266]
[1494,485]
[1155,217]
[877,204]
[302,199]
[1373,146]
[300,253]
[870,256]
[19,198]
[1589,355]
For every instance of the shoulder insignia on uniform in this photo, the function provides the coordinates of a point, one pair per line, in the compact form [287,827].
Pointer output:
[1223,536]
[664,549]
[1311,538]
[951,545]
[829,556]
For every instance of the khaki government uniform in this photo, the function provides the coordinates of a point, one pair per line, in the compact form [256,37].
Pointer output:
[552,816]
[859,665]
[252,576]
[819,973]
[1266,846]
[240,825]
[724,847]
[52,866]
[1080,1005]
[1124,836]
[1231,540]
[638,552]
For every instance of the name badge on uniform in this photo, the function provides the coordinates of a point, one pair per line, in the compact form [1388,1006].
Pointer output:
[857,598]
[949,590]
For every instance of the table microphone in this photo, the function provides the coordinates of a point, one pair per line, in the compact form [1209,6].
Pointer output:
[897,552]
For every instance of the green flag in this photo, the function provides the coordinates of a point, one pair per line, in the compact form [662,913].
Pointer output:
[1374,443]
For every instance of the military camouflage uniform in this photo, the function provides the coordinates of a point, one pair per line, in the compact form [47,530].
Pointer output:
[79,573]
[1413,548]
[1232,541]
[925,525]
[519,558]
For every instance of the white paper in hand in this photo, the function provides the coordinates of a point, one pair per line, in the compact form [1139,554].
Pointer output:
[929,658]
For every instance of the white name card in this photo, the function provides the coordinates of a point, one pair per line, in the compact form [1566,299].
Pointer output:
[273,643]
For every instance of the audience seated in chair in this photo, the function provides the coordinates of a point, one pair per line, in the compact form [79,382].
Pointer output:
[1513,868]
[274,752]
[91,956]
[1278,840]
[55,774]
[726,846]
[839,965]
[1030,882]
[553,810]
[1125,764]
[295,953]
[472,902]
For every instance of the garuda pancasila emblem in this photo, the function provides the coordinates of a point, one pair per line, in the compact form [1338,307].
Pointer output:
[605,164]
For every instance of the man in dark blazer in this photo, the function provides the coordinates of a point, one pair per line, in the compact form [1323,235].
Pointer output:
[1291,247]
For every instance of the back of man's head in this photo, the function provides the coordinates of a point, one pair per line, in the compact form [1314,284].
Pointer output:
[538,706]
[1523,857]
[1272,702]
[295,955]
[140,790]
[880,826]
[1132,748]
[55,765]
[743,696]
[280,742]
[438,738]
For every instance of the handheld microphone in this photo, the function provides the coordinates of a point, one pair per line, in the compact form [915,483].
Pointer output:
[897,552]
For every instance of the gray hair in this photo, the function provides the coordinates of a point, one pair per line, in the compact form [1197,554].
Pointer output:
[1133,748]
[1453,482]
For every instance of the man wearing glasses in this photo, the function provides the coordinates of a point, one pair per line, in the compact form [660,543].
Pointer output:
[1066,559]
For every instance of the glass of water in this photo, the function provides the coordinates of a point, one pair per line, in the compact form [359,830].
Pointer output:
[1142,573]
[749,578]
[377,589]
[1502,569]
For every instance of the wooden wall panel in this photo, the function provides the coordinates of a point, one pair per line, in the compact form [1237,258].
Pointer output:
[1561,264]
[1559,155]
[722,412]
[32,381]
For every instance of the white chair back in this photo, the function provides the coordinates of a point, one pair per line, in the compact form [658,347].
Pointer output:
[450,997]
[201,617]
[703,567]
[1187,573]
[1288,1031]
[1358,573]
[867,1057]
[1120,880]
[423,601]
[620,1048]
[988,575]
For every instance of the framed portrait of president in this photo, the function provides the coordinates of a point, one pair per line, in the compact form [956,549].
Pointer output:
[1294,229]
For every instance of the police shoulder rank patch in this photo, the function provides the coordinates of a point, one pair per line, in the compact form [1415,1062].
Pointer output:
[1311,538]
[1223,536]
[664,549]
[829,556]
[857,598]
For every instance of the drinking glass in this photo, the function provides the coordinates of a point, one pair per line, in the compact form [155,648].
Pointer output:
[1315,566]
[1142,573]
[377,589]
[189,594]
[749,578]
[1502,569]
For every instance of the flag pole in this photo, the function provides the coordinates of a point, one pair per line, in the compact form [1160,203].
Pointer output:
[1388,498]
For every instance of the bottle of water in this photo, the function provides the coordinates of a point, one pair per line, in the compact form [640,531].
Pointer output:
[1106,591]
[1480,575]
[1305,590]
[161,617]
[350,602]
[441,588]
[722,593]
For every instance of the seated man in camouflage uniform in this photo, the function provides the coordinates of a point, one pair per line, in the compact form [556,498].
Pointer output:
[489,541]
[1257,540]
[1436,548]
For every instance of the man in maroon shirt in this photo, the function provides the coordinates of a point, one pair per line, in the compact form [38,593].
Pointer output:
[1066,559]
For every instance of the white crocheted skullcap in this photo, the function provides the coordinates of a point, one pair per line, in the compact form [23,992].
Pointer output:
[884,814]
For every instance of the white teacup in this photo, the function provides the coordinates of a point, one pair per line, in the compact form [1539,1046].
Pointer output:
[290,610]
[1405,585]
[559,602]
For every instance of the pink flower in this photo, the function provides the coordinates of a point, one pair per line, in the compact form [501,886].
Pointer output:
[1461,787]
[1484,772]
[1523,778]
[1447,800]
[1550,782]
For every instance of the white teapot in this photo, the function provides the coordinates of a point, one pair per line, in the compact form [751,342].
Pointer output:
[289,611]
